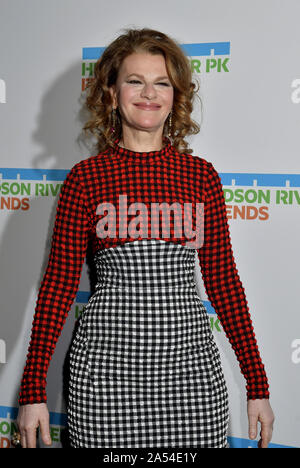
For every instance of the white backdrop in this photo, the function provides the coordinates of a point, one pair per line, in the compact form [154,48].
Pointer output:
[250,132]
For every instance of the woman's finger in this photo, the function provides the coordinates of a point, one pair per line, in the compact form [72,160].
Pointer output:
[23,439]
[30,437]
[266,434]
[252,426]
[45,431]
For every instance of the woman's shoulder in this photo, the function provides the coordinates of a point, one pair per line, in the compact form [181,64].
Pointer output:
[89,163]
[196,160]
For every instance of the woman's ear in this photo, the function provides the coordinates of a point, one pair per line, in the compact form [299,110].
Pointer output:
[112,90]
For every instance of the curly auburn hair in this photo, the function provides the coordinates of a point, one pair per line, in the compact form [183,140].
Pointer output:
[99,99]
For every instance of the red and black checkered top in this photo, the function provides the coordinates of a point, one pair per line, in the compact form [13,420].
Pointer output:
[164,175]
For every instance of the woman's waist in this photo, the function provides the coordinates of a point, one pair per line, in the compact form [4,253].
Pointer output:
[144,285]
[146,264]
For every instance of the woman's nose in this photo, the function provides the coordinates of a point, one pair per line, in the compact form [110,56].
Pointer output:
[148,91]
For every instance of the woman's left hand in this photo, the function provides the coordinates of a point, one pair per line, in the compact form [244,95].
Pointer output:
[260,410]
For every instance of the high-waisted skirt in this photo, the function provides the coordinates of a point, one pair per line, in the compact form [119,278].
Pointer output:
[145,370]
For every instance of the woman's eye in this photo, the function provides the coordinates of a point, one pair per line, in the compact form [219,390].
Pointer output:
[137,81]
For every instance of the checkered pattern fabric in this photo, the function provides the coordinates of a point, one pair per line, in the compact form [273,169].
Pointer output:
[158,176]
[145,370]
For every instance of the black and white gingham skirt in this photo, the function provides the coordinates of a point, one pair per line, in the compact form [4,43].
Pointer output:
[145,370]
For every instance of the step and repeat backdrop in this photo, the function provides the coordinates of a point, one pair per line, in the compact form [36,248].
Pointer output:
[245,55]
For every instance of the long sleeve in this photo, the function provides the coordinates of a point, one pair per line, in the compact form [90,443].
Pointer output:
[58,288]
[224,288]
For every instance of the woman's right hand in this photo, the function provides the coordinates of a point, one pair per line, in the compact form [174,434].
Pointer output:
[30,417]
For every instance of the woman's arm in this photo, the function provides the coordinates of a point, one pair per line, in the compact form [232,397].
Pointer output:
[225,290]
[58,287]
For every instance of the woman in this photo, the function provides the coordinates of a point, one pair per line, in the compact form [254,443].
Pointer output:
[145,369]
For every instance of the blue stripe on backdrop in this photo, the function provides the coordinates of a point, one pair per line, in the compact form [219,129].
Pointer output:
[261,180]
[245,179]
[82,297]
[12,173]
[60,419]
[11,413]
[92,53]
[236,442]
[196,50]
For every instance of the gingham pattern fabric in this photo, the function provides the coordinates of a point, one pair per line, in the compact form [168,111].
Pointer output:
[145,370]
[158,176]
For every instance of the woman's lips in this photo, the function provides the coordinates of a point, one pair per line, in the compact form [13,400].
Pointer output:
[148,107]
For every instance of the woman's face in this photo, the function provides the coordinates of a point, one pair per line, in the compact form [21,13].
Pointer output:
[143,92]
